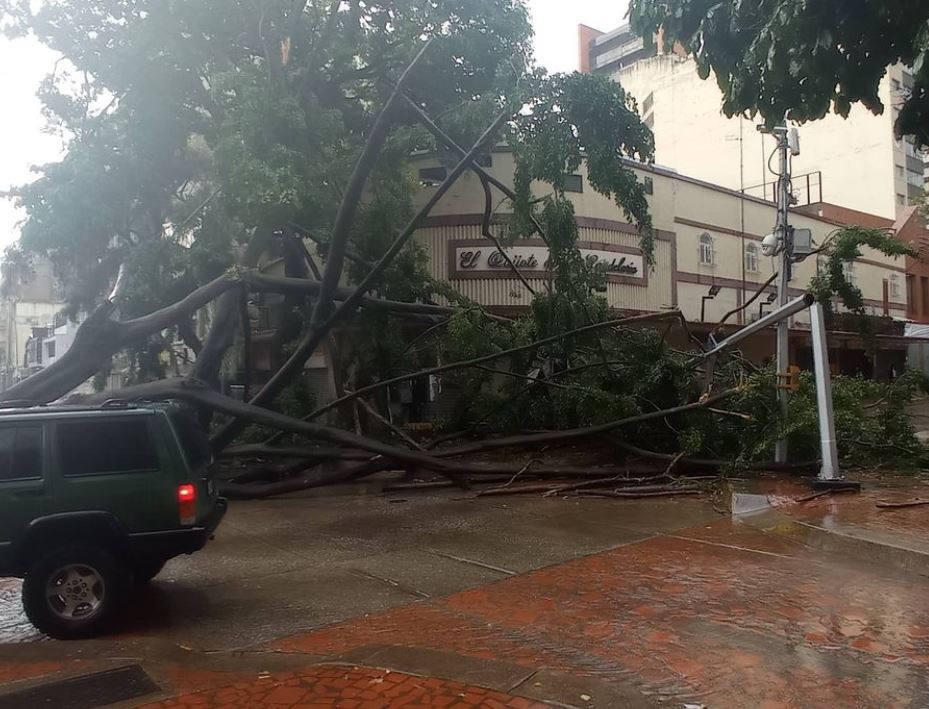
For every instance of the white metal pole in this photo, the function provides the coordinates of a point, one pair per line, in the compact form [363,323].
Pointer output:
[780,315]
[783,353]
[830,454]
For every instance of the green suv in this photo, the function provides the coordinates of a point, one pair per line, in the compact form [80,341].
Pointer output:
[94,498]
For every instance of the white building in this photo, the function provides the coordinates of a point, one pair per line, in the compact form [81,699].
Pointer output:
[855,162]
[28,302]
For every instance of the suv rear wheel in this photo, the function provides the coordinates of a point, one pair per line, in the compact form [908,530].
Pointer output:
[72,591]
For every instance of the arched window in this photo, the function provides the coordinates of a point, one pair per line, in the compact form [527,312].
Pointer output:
[751,258]
[849,270]
[706,249]
[894,285]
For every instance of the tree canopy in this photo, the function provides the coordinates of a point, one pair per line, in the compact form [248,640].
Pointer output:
[192,126]
[804,56]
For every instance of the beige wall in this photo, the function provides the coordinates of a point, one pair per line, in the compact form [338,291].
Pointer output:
[682,210]
[857,156]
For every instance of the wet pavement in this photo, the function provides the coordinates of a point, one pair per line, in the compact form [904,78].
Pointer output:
[523,602]
[274,564]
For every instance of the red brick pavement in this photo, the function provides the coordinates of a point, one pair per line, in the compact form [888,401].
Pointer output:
[347,688]
[726,617]
[723,615]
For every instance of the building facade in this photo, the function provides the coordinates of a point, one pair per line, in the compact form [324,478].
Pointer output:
[27,303]
[707,259]
[854,162]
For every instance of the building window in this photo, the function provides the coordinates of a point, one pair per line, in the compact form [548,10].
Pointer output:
[751,258]
[573,183]
[894,286]
[849,270]
[264,317]
[901,199]
[432,176]
[50,351]
[900,171]
[648,185]
[706,249]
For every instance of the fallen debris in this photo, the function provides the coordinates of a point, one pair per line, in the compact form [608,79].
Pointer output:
[822,493]
[887,505]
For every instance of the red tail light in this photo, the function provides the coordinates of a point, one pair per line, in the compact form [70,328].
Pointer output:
[187,503]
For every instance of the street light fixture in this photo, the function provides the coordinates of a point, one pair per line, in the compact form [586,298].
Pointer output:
[714,291]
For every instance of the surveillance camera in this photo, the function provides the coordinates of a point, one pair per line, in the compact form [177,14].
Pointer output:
[770,245]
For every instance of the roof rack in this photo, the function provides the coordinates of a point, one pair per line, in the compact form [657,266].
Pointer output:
[115,404]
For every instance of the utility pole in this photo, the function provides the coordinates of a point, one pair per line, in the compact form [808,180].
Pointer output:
[783,280]
[787,142]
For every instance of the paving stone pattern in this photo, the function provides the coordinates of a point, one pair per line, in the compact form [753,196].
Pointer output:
[725,617]
[348,688]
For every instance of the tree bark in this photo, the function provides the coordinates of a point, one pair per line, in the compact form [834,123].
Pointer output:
[709,462]
[351,198]
[307,452]
[282,284]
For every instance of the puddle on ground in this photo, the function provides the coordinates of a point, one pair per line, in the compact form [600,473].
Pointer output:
[746,503]
[14,626]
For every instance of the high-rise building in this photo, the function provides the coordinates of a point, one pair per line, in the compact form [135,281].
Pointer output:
[855,162]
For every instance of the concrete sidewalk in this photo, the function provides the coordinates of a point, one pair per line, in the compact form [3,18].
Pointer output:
[612,604]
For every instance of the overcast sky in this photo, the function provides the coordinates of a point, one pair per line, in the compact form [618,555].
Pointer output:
[24,63]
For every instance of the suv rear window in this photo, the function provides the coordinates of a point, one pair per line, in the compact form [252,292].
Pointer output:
[95,446]
[21,453]
[193,439]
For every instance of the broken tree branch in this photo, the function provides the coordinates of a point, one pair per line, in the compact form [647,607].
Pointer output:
[488,234]
[246,343]
[316,334]
[668,492]
[305,286]
[351,198]
[489,358]
[572,434]
[305,452]
[709,462]
[886,505]
[748,302]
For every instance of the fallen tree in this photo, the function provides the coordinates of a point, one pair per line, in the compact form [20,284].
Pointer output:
[302,127]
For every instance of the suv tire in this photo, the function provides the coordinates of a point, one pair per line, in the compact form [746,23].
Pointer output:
[71,592]
[145,570]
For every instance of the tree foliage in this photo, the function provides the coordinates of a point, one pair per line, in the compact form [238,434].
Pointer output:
[843,248]
[193,125]
[192,128]
[804,56]
[203,135]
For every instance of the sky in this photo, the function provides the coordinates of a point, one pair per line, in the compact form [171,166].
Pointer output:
[24,63]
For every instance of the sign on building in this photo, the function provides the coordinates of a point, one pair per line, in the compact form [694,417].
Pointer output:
[481,259]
